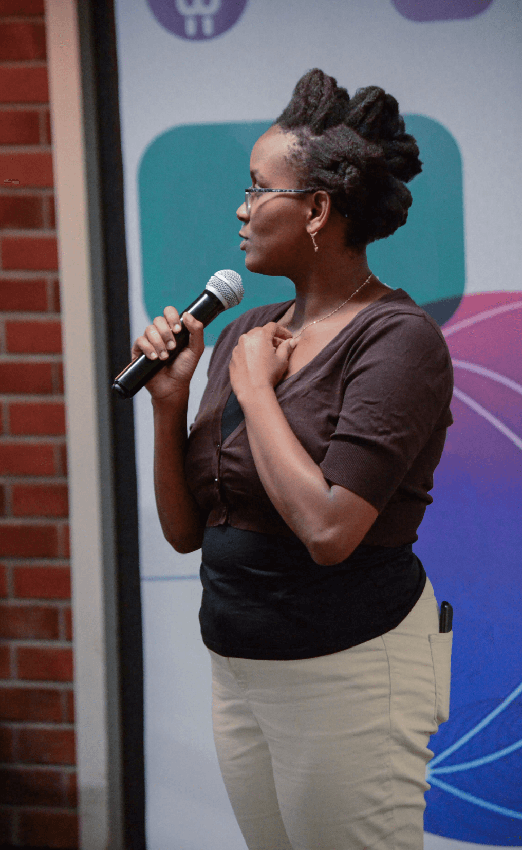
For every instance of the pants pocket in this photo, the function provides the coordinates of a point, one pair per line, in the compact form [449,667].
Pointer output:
[441,646]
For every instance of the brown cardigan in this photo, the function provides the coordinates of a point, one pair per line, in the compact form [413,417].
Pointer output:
[371,409]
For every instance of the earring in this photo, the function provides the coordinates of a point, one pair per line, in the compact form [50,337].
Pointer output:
[316,247]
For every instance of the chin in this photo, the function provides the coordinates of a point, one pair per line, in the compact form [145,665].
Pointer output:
[261,265]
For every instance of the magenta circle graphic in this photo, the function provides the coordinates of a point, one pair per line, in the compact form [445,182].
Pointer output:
[197,20]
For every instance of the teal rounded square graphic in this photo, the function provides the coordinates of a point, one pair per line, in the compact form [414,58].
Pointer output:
[192,178]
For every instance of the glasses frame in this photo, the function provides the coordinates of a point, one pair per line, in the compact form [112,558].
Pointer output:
[253,190]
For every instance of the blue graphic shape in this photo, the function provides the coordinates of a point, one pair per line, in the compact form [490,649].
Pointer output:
[192,180]
[426,256]
[469,543]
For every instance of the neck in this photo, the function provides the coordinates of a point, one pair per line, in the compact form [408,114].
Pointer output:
[314,300]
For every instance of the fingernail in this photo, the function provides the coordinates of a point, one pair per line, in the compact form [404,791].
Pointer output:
[171,344]
[153,356]
[163,355]
[177,328]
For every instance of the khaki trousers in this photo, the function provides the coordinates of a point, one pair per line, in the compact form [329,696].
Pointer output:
[330,753]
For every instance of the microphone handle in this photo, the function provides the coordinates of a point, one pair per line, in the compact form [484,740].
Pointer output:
[205,308]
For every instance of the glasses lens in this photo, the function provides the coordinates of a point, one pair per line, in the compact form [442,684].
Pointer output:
[247,202]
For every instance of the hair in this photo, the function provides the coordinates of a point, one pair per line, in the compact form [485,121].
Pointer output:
[356,149]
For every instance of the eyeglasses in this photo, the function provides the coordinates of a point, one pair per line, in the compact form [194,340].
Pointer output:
[255,191]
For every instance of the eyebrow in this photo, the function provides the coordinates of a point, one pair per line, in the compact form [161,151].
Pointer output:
[255,175]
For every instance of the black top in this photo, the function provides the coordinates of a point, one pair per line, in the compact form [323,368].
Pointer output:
[376,401]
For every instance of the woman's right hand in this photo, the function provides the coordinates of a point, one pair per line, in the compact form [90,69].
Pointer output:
[157,342]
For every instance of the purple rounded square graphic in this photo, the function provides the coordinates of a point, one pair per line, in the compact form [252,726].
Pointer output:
[197,20]
[440,10]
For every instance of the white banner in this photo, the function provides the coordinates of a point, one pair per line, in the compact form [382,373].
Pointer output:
[200,80]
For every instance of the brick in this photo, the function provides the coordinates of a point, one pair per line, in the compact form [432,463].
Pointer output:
[29,169]
[44,663]
[65,542]
[63,460]
[21,7]
[22,378]
[26,787]
[60,388]
[29,622]
[33,253]
[22,211]
[39,705]
[46,746]
[37,418]
[6,819]
[39,500]
[5,662]
[33,337]
[24,85]
[42,583]
[26,295]
[56,306]
[52,213]
[69,713]
[28,541]
[19,127]
[22,40]
[49,829]
[3,581]
[48,130]
[68,624]
[26,459]
[71,789]
[6,744]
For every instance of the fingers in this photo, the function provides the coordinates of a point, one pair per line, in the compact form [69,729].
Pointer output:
[283,332]
[158,339]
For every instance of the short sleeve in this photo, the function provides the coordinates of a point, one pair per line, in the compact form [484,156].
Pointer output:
[397,390]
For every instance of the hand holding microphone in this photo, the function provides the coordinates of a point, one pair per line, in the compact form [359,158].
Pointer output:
[166,375]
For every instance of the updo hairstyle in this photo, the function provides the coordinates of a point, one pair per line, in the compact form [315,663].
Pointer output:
[357,150]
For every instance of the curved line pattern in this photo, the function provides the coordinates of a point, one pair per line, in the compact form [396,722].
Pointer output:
[489,416]
[487,373]
[480,317]
[479,762]
[470,798]
[472,732]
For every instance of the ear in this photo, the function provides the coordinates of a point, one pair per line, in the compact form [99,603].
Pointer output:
[319,210]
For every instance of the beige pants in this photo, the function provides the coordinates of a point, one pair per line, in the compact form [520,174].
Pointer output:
[330,753]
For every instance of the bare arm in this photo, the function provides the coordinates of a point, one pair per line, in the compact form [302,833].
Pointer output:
[181,519]
[330,521]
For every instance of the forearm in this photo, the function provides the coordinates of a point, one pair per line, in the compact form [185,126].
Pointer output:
[293,481]
[179,514]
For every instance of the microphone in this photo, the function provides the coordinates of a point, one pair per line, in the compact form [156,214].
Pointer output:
[224,290]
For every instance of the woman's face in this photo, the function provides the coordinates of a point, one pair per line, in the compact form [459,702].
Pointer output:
[274,234]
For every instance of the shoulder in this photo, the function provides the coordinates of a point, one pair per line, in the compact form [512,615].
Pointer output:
[398,321]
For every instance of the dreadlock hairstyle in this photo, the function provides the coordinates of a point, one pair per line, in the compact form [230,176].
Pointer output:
[356,149]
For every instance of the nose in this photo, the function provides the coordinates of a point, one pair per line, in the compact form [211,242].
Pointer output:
[241,212]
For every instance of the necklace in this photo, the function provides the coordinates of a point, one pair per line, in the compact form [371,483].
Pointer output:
[337,308]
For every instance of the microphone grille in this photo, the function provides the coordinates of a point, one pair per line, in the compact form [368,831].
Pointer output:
[228,287]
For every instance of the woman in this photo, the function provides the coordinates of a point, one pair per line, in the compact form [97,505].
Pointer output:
[304,479]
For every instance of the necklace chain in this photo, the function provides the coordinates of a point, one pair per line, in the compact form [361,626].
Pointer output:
[337,308]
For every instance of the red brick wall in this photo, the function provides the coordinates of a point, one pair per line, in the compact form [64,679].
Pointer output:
[37,758]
